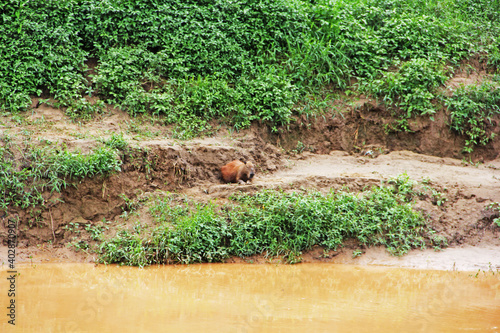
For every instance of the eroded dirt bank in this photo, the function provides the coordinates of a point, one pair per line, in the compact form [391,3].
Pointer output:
[463,217]
[334,153]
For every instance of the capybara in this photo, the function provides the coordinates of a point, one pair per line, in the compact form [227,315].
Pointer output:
[237,172]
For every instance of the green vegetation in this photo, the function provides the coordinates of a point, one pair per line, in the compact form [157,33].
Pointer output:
[495,206]
[472,109]
[272,223]
[187,62]
[116,142]
[236,61]
[412,88]
[47,169]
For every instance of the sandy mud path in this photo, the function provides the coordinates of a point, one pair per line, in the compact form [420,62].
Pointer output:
[482,180]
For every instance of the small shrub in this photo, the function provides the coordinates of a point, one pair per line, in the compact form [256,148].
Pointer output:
[411,88]
[200,236]
[126,247]
[471,110]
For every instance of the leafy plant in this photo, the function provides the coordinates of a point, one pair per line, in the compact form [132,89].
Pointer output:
[83,109]
[411,88]
[126,247]
[495,206]
[47,169]
[96,231]
[471,110]
[439,242]
[272,223]
[76,165]
[13,184]
[116,141]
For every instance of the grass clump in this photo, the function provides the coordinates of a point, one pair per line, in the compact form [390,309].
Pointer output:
[116,141]
[271,223]
[77,165]
[471,110]
[43,169]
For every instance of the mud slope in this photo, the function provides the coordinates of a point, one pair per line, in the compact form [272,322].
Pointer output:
[463,217]
[351,151]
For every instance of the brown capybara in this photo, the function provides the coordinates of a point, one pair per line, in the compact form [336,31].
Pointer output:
[237,172]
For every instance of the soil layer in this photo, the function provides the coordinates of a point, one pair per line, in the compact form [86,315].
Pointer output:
[334,151]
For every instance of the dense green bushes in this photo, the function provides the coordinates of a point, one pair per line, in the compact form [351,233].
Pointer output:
[373,34]
[237,60]
[266,95]
[40,48]
[271,223]
[194,37]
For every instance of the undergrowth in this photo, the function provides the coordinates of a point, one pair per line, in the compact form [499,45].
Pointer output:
[271,223]
[472,108]
[238,61]
[410,89]
[23,182]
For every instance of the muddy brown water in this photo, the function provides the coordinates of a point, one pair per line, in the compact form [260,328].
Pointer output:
[251,298]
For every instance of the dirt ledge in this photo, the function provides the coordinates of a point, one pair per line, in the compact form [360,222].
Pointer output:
[332,151]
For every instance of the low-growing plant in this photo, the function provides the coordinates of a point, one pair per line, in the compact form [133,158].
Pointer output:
[77,165]
[116,141]
[126,247]
[356,253]
[495,206]
[96,231]
[411,88]
[408,190]
[79,245]
[404,186]
[23,182]
[271,223]
[83,109]
[14,184]
[130,206]
[201,236]
[471,110]
[439,242]
[73,227]
[299,148]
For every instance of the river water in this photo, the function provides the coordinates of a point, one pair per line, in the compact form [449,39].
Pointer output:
[250,298]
